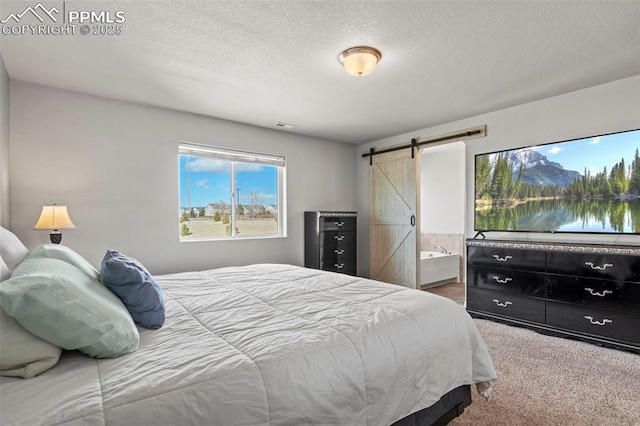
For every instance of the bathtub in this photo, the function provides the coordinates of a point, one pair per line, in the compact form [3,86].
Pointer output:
[438,268]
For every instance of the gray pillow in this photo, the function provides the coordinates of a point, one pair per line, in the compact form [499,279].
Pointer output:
[21,353]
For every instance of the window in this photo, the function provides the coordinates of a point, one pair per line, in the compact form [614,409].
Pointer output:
[230,194]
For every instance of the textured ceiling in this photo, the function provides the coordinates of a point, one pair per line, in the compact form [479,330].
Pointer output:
[261,62]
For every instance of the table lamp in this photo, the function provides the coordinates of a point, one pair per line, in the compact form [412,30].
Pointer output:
[54,218]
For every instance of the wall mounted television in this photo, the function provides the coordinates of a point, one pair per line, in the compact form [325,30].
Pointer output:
[587,185]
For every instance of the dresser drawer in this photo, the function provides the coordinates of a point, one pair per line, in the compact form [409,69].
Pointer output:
[506,280]
[339,266]
[337,238]
[342,254]
[597,265]
[618,325]
[520,259]
[340,223]
[618,295]
[506,304]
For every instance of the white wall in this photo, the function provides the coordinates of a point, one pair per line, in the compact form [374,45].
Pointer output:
[442,181]
[115,165]
[600,109]
[5,213]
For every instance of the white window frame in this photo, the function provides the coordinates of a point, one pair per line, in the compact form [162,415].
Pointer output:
[196,150]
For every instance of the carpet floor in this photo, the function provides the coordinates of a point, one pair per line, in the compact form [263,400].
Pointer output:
[545,380]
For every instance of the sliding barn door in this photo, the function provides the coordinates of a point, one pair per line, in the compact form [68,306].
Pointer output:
[393,219]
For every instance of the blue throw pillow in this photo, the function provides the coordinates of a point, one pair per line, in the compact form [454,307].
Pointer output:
[135,286]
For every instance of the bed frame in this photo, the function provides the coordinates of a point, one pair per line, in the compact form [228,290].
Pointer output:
[450,406]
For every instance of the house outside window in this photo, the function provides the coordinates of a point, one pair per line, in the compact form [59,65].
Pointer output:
[229,194]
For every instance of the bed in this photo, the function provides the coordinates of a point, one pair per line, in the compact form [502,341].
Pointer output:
[270,344]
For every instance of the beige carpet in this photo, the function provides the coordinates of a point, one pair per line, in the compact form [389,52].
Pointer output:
[546,380]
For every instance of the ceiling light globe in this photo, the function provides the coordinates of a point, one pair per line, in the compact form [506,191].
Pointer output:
[360,61]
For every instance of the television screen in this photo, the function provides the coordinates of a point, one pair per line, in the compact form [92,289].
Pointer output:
[582,185]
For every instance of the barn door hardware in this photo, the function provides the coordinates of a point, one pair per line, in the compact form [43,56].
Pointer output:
[474,132]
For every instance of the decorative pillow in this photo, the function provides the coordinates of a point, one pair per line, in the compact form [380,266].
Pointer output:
[4,270]
[58,251]
[12,251]
[21,353]
[135,286]
[61,304]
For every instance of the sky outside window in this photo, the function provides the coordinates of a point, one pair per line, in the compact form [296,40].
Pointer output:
[208,180]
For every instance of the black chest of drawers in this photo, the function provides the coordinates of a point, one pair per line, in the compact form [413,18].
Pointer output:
[589,292]
[330,241]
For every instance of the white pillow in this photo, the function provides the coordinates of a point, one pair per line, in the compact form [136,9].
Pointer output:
[22,354]
[4,270]
[12,251]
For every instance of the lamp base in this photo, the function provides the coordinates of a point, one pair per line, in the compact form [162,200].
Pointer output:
[55,237]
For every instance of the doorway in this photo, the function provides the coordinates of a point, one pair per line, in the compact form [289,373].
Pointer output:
[442,213]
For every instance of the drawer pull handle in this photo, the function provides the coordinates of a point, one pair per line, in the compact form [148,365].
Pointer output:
[339,252]
[340,266]
[595,293]
[501,304]
[594,322]
[502,259]
[502,281]
[598,267]
[339,224]
[339,237]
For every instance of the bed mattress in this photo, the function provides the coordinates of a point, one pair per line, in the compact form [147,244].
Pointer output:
[267,345]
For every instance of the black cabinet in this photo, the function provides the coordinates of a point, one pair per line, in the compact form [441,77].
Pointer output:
[587,291]
[330,241]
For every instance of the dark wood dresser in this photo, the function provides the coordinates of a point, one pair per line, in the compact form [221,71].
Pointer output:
[590,292]
[330,241]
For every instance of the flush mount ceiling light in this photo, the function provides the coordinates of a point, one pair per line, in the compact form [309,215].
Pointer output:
[360,61]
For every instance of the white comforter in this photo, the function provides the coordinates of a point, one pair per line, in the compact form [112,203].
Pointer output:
[267,345]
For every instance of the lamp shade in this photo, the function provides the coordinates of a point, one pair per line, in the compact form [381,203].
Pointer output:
[360,61]
[54,217]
